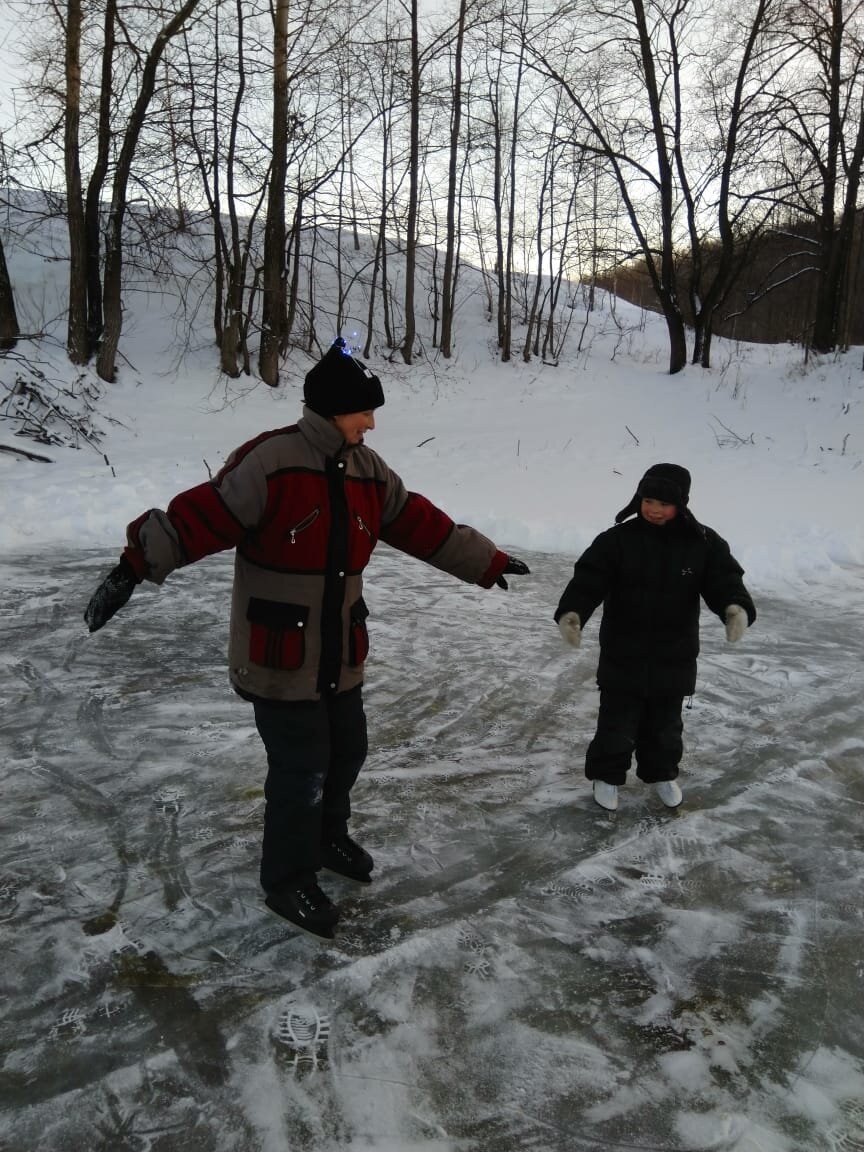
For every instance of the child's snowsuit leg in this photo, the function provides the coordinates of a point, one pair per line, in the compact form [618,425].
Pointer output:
[659,744]
[628,723]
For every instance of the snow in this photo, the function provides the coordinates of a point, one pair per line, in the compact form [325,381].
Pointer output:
[526,972]
[538,457]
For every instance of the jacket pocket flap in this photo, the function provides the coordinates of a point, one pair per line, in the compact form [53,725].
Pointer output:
[273,614]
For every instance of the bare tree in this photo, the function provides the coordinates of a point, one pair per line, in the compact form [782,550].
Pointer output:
[98,175]
[448,284]
[9,330]
[506,334]
[112,284]
[76,331]
[410,321]
[273,279]
[383,87]
[637,144]
[823,101]
[736,89]
[222,166]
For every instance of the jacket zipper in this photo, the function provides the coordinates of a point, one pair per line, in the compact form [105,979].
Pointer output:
[361,524]
[306,522]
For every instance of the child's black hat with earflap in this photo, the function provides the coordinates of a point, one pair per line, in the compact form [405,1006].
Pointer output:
[667,482]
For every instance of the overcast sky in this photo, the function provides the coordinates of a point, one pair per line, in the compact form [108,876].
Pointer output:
[10,72]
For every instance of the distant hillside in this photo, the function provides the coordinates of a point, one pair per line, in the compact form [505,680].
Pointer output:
[772,302]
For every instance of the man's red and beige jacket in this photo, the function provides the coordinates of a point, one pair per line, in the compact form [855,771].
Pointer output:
[303,511]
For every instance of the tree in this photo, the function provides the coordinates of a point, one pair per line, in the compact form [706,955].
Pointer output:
[77,344]
[448,282]
[824,115]
[96,183]
[413,184]
[9,330]
[112,285]
[224,168]
[273,276]
[637,142]
[506,333]
[736,92]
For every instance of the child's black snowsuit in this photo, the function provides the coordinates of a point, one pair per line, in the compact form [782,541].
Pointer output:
[649,579]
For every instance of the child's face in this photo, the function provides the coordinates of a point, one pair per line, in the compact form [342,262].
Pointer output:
[657,511]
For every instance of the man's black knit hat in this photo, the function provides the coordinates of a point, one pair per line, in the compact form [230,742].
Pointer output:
[339,384]
[667,482]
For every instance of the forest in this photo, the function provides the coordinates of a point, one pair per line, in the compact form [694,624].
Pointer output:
[701,159]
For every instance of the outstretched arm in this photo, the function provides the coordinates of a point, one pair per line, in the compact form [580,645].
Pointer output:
[415,525]
[206,519]
[592,577]
[723,588]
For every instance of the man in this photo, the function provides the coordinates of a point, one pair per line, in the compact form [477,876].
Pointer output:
[303,507]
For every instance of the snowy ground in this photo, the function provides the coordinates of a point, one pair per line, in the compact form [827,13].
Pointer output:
[525,973]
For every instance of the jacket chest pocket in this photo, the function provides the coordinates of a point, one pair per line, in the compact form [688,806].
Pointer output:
[303,525]
[358,636]
[277,634]
[361,541]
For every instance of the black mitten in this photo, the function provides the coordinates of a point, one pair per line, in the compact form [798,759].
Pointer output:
[111,595]
[513,567]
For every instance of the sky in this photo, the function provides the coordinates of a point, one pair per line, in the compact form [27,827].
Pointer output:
[526,971]
[9,66]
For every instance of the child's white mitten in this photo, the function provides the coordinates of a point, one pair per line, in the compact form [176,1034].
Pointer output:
[736,622]
[570,627]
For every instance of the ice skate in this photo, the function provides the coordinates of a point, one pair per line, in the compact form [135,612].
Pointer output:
[345,856]
[307,907]
[669,792]
[606,795]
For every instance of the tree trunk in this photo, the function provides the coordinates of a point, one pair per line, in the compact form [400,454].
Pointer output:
[9,330]
[448,296]
[112,289]
[93,200]
[497,194]
[507,345]
[836,251]
[413,194]
[76,327]
[273,313]
[665,277]
[825,318]
[294,282]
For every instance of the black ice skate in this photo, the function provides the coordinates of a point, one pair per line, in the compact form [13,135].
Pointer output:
[347,858]
[305,906]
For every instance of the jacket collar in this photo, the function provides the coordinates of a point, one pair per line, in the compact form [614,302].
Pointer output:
[321,432]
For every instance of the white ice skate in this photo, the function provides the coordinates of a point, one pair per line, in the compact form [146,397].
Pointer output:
[606,795]
[669,793]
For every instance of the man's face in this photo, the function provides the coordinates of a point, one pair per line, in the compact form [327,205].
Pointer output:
[657,511]
[354,425]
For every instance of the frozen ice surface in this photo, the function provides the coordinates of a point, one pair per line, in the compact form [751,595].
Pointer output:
[526,972]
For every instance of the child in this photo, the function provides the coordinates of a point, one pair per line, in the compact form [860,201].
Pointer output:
[649,573]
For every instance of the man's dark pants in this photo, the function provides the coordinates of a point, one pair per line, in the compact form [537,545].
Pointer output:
[315,750]
[652,728]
